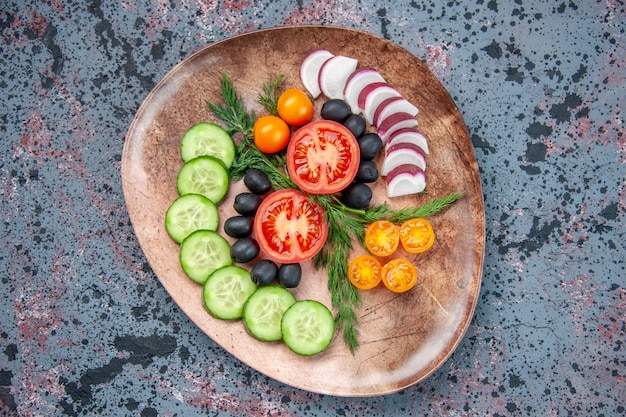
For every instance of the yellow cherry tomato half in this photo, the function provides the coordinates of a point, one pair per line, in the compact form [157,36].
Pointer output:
[271,134]
[399,275]
[364,272]
[295,107]
[382,238]
[417,235]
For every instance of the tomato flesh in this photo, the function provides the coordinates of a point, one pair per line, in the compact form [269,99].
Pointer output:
[399,275]
[364,272]
[417,235]
[323,157]
[289,227]
[382,238]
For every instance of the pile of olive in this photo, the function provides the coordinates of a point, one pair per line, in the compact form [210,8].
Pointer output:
[358,194]
[246,249]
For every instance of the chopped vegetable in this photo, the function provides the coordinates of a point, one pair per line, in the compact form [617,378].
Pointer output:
[264,310]
[417,235]
[289,227]
[203,175]
[399,275]
[391,105]
[334,73]
[207,139]
[382,238]
[365,272]
[405,179]
[189,213]
[403,154]
[202,253]
[322,157]
[310,70]
[357,81]
[226,291]
[307,327]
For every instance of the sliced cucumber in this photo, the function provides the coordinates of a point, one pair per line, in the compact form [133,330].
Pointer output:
[203,175]
[203,252]
[207,139]
[264,311]
[308,327]
[189,213]
[226,292]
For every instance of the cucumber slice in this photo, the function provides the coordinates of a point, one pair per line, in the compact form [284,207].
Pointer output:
[207,139]
[189,213]
[226,292]
[203,175]
[203,252]
[308,327]
[264,311]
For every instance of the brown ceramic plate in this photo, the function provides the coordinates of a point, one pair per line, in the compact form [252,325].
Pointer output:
[404,338]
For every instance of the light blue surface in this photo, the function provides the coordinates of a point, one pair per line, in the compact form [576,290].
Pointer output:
[87,329]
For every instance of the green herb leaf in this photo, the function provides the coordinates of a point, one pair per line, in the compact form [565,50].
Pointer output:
[232,112]
[432,207]
[238,120]
[271,92]
[345,297]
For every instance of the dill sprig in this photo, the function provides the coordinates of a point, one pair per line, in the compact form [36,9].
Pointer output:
[238,120]
[271,92]
[343,228]
[233,112]
[432,207]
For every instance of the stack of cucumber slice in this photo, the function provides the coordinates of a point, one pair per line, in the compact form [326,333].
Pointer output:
[207,151]
[269,313]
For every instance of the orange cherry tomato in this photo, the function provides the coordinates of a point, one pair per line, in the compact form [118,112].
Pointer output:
[382,238]
[271,134]
[399,275]
[364,272]
[295,107]
[417,235]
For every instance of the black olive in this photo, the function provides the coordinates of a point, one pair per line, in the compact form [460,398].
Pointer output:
[238,226]
[336,110]
[356,195]
[356,124]
[244,250]
[257,181]
[367,172]
[264,272]
[289,275]
[369,144]
[247,204]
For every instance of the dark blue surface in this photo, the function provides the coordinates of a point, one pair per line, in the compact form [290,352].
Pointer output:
[87,329]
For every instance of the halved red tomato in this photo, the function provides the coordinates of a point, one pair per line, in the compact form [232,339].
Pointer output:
[323,157]
[289,227]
